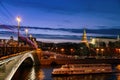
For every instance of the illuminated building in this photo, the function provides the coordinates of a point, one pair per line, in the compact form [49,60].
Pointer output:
[84,38]
[98,40]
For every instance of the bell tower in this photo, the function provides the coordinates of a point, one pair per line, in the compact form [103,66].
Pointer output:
[84,38]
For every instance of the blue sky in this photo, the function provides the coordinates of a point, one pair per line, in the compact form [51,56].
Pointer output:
[56,14]
[62,13]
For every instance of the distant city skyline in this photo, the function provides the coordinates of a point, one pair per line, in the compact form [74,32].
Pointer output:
[57,34]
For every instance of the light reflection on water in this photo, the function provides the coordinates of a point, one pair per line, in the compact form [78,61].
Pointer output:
[87,77]
[44,73]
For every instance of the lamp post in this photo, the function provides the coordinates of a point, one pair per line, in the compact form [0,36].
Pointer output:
[30,36]
[18,20]
[102,51]
[71,50]
[26,31]
[97,51]
[118,50]
[62,50]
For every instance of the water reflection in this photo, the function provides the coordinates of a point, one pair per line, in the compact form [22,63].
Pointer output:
[44,73]
[118,76]
[32,74]
[85,77]
[41,75]
[36,73]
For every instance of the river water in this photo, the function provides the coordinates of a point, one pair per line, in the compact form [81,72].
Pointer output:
[44,73]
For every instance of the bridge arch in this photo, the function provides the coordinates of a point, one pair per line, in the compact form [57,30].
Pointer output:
[23,59]
[27,62]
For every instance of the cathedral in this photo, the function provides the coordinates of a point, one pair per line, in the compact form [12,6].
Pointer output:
[97,40]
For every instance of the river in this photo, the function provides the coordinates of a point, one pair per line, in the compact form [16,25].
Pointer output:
[44,73]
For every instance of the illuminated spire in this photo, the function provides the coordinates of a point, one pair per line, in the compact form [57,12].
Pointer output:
[84,37]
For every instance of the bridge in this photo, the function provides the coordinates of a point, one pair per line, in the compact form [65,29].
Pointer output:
[10,64]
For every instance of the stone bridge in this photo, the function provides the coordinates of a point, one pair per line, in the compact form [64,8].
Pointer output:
[10,64]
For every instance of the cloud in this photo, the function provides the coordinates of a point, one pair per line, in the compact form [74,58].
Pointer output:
[62,33]
[110,31]
[103,30]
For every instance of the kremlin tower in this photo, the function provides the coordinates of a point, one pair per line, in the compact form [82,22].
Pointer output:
[84,38]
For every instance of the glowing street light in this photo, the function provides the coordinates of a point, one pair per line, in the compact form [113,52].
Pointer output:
[118,50]
[30,36]
[62,50]
[97,51]
[26,31]
[18,20]
[102,50]
[71,50]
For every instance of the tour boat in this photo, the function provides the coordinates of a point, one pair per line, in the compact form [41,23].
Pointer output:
[71,69]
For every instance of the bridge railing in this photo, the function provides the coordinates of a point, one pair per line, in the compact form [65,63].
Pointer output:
[4,51]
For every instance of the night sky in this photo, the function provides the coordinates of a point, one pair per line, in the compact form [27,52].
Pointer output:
[56,14]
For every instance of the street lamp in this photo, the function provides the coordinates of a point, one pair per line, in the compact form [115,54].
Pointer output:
[62,50]
[30,36]
[71,50]
[18,20]
[119,50]
[26,31]
[102,50]
[97,51]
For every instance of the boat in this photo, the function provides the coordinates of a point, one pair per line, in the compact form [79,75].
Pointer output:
[71,69]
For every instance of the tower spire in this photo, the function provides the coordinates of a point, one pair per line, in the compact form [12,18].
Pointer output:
[84,38]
